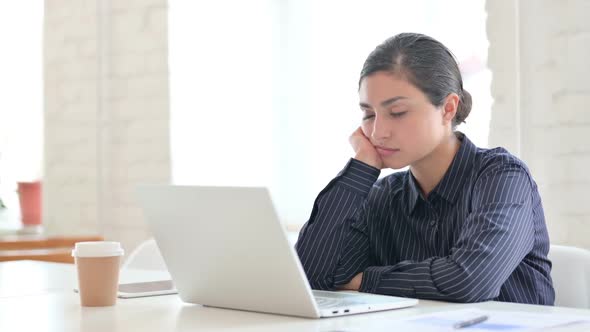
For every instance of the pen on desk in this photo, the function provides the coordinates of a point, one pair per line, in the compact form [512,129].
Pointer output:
[470,322]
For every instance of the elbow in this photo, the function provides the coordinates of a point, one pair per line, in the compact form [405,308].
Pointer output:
[477,290]
[479,297]
[468,286]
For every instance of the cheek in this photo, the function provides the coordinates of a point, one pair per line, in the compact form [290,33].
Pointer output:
[412,134]
[427,132]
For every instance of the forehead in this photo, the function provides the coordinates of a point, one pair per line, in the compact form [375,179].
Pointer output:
[383,85]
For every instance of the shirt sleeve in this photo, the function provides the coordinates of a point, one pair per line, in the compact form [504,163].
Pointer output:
[496,236]
[336,209]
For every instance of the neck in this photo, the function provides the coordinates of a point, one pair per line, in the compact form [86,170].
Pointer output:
[429,170]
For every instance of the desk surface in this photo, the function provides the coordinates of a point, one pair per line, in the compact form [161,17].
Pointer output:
[49,304]
[19,278]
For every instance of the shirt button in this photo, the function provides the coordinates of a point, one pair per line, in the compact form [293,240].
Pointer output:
[432,222]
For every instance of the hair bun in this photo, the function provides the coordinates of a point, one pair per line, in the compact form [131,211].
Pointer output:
[464,108]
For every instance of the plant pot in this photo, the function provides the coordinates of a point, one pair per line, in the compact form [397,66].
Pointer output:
[29,194]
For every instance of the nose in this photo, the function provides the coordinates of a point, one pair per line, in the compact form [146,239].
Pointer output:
[380,130]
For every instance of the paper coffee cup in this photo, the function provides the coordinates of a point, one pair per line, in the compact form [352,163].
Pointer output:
[97,264]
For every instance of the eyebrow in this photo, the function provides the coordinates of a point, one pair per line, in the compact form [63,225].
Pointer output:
[384,103]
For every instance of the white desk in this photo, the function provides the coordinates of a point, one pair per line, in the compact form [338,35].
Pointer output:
[49,304]
[19,278]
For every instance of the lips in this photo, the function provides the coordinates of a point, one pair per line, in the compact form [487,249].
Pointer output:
[385,152]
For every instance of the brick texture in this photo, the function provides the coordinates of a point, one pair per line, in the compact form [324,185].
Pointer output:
[539,51]
[106,114]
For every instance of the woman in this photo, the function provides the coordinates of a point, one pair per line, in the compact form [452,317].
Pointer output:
[462,224]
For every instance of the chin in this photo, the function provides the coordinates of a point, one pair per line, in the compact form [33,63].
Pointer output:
[395,164]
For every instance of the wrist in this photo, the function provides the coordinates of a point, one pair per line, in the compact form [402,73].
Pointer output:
[369,160]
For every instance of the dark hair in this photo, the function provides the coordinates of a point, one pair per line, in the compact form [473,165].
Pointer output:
[424,62]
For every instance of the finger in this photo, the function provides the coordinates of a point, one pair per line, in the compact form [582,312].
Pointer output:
[355,135]
[357,131]
[364,133]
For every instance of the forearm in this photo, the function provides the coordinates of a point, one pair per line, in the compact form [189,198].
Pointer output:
[426,280]
[474,272]
[435,279]
[321,240]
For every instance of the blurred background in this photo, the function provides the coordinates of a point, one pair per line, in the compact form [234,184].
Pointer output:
[99,96]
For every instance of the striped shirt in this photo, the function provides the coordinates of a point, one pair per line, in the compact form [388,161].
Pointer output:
[479,235]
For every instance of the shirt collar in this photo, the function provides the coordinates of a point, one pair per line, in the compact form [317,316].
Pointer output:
[413,191]
[450,185]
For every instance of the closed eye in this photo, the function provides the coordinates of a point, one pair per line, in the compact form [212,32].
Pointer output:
[367,113]
[398,114]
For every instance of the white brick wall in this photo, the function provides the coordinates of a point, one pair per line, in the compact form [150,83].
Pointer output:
[106,114]
[539,51]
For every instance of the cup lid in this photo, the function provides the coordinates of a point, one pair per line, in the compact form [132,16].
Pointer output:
[97,249]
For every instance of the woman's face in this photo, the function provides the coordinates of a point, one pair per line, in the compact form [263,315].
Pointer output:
[399,119]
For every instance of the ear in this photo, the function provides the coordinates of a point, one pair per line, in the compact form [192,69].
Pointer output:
[449,107]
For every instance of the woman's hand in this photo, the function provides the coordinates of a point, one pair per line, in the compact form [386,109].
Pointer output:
[354,284]
[364,149]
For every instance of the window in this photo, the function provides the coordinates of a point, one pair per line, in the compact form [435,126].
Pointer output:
[266,93]
[21,85]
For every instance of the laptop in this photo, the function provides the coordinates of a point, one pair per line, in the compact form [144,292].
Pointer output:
[225,247]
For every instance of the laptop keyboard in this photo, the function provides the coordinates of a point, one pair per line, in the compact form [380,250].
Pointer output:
[325,302]
[332,300]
